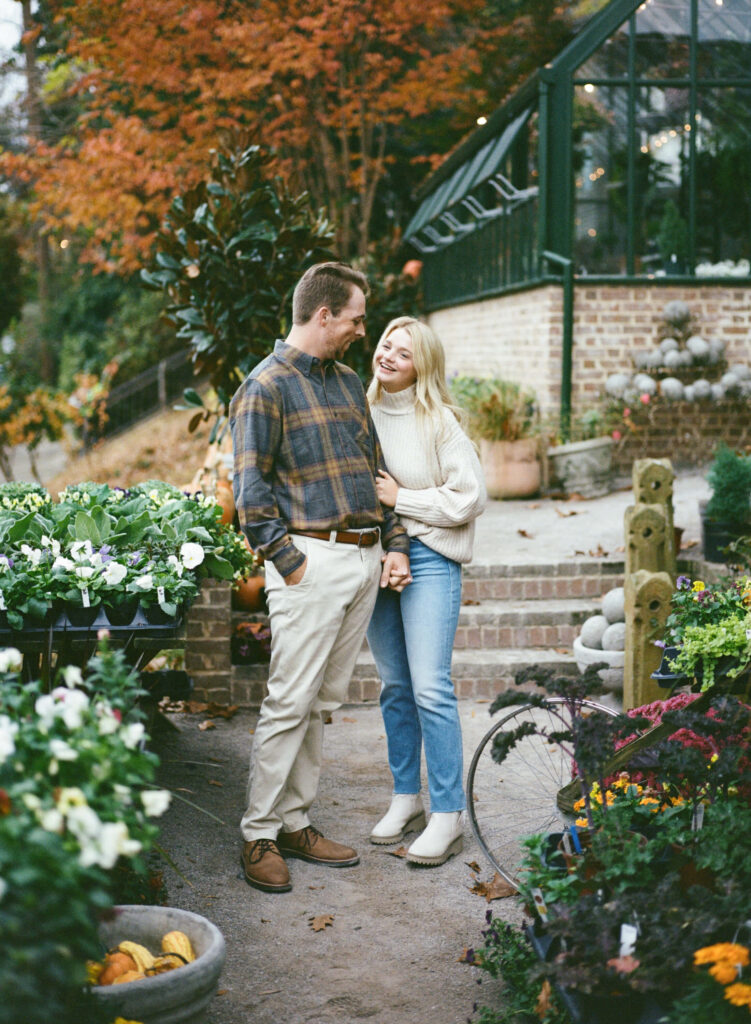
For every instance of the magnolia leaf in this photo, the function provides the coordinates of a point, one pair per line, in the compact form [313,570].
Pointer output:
[321,921]
[401,852]
[194,421]
[192,398]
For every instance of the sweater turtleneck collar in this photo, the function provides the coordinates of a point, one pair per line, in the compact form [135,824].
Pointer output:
[398,403]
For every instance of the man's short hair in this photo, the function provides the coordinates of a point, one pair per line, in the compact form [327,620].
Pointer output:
[325,284]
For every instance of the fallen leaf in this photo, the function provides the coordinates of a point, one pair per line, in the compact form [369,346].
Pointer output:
[213,782]
[624,964]
[269,991]
[568,512]
[562,650]
[578,552]
[473,866]
[599,552]
[321,921]
[542,1006]
[468,957]
[221,991]
[208,724]
[401,852]
[495,889]
[345,719]
[535,504]
[523,533]
[469,600]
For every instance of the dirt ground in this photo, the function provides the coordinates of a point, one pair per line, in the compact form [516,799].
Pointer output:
[391,953]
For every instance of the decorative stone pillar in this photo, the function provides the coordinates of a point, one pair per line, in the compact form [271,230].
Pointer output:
[647,603]
[652,481]
[649,541]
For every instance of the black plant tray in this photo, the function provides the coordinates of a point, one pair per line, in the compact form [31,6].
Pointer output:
[62,627]
[586,1009]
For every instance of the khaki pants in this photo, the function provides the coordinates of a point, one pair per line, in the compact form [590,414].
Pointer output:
[317,629]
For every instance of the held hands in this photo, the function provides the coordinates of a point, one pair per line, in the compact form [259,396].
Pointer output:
[396,575]
[387,488]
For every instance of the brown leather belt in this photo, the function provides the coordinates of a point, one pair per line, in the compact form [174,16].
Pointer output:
[363,540]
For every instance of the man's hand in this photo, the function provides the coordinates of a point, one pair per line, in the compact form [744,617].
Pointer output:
[387,488]
[296,575]
[395,574]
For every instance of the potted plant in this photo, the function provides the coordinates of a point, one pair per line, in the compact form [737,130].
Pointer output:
[503,420]
[582,462]
[726,516]
[672,240]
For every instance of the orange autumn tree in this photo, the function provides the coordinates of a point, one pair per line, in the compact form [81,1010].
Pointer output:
[329,85]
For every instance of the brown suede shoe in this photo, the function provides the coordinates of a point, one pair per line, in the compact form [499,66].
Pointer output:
[308,844]
[264,866]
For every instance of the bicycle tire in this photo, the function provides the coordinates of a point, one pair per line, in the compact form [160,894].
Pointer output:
[507,802]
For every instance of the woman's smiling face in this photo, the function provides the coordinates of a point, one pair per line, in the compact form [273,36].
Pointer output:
[392,361]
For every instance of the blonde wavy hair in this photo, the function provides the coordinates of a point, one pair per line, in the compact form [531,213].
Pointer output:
[431,391]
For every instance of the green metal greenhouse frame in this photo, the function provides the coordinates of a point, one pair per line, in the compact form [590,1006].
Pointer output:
[501,213]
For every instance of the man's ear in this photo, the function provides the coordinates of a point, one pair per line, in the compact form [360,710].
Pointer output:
[323,315]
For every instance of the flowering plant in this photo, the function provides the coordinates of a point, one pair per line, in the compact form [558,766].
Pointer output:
[716,989]
[708,623]
[76,800]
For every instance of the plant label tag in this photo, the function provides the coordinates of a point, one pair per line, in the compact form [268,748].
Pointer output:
[566,843]
[697,821]
[628,939]
[85,600]
[540,906]
[160,595]
[2,602]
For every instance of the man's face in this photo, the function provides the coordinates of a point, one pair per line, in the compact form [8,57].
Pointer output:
[345,328]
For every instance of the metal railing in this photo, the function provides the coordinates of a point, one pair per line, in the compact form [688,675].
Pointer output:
[147,392]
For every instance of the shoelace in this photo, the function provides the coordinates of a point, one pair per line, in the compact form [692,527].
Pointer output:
[262,847]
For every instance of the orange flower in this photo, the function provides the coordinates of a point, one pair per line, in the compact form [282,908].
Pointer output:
[728,951]
[724,972]
[739,994]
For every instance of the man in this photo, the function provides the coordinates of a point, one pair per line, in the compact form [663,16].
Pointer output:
[306,458]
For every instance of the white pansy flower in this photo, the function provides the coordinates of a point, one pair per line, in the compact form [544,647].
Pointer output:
[132,734]
[176,564]
[73,703]
[52,544]
[70,796]
[84,824]
[4,563]
[145,582]
[62,563]
[155,801]
[45,707]
[84,572]
[81,550]
[11,659]
[51,820]
[31,801]
[72,675]
[62,751]
[108,723]
[104,848]
[8,732]
[114,573]
[33,554]
[191,555]
[124,793]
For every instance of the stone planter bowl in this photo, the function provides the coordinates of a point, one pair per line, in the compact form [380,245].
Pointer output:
[612,677]
[181,996]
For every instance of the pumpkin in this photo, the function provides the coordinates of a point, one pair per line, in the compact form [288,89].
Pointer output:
[116,964]
[226,499]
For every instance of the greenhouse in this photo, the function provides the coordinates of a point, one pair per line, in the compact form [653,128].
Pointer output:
[621,171]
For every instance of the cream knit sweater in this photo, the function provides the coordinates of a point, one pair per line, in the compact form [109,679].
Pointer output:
[441,485]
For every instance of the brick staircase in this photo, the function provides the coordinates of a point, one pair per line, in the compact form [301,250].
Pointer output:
[511,616]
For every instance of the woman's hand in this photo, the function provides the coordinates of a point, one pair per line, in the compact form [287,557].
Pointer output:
[386,488]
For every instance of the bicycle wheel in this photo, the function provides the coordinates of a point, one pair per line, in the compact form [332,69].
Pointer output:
[507,802]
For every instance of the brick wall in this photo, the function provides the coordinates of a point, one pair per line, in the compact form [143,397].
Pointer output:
[208,632]
[518,336]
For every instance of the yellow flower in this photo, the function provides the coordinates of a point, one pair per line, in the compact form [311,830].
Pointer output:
[739,994]
[699,585]
[581,823]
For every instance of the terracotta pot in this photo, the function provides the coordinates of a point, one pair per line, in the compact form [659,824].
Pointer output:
[225,497]
[511,468]
[248,595]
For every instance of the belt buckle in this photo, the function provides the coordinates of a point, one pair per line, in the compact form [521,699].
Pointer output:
[363,533]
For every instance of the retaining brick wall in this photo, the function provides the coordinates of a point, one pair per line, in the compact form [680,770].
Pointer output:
[208,633]
[518,336]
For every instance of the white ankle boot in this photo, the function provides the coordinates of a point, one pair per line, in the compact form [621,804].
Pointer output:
[441,839]
[405,814]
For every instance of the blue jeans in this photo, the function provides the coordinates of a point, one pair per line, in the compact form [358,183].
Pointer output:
[411,636]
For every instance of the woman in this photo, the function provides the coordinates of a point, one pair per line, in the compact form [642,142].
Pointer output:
[435,485]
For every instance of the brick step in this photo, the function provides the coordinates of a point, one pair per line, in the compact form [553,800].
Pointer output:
[515,624]
[475,673]
[581,578]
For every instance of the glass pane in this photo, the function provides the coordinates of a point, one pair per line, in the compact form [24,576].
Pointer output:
[663,30]
[724,49]
[600,144]
[723,174]
[661,180]
[610,60]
